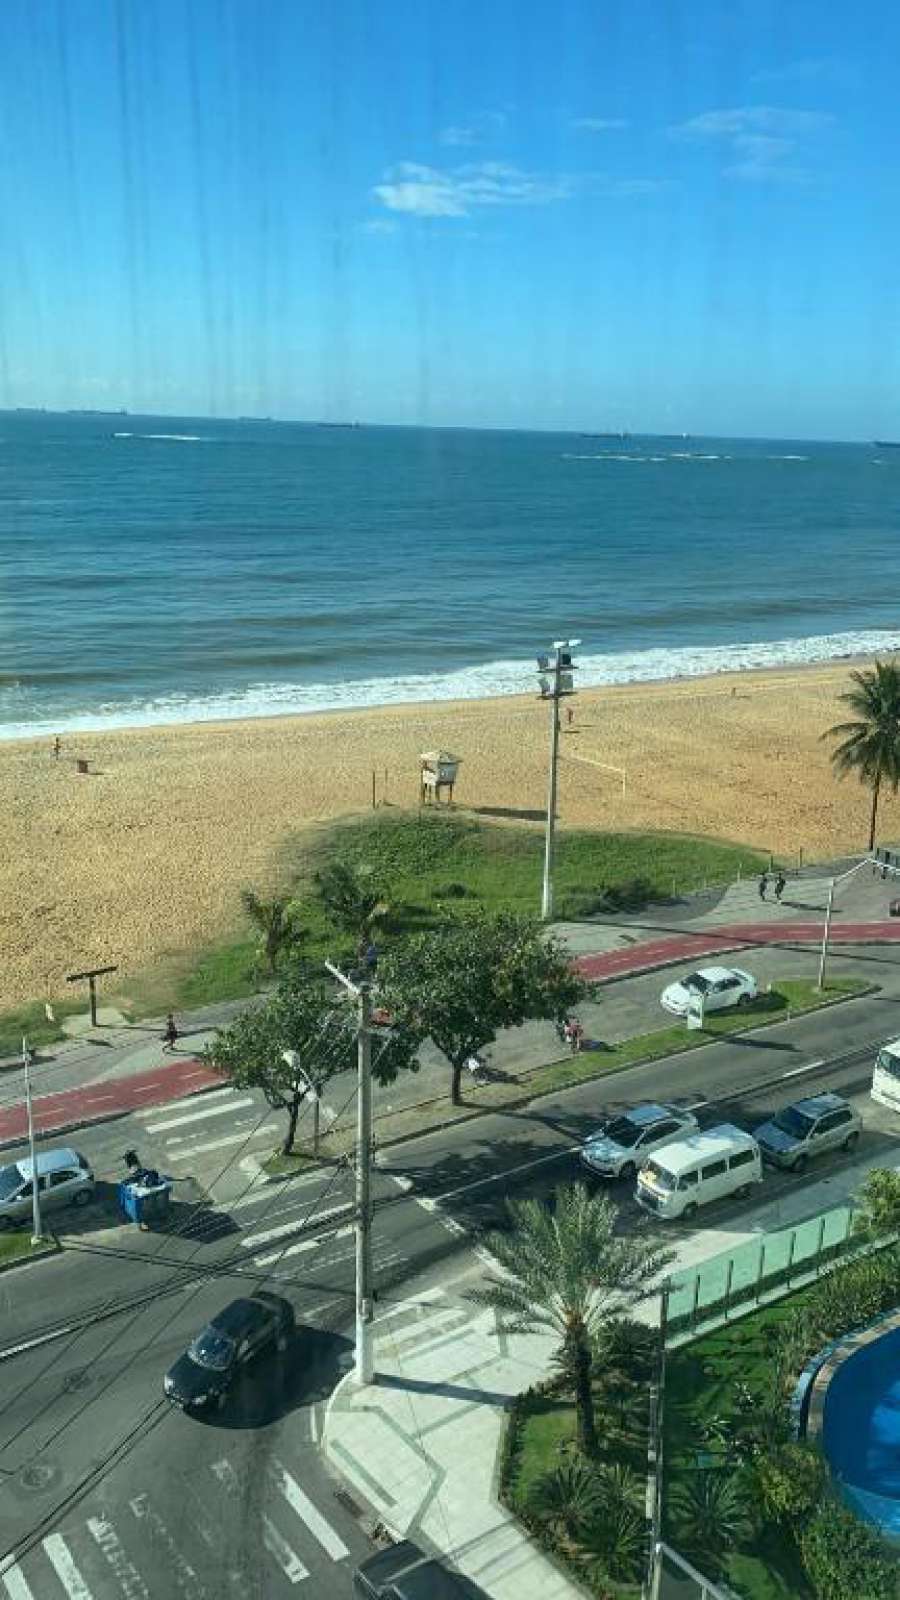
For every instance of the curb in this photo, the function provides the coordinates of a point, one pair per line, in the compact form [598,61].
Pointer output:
[54,1249]
[95,1122]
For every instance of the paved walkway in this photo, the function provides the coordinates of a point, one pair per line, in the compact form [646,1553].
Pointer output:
[77,1108]
[692,945]
[420,1446]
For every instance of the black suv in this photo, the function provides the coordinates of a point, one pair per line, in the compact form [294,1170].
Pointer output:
[206,1372]
[404,1572]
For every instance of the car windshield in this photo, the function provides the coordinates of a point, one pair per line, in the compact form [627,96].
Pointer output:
[661,1178]
[794,1122]
[698,982]
[889,1063]
[10,1178]
[212,1349]
[623,1131]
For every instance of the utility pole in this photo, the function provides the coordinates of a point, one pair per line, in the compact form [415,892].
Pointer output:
[887,862]
[556,682]
[365,1365]
[36,1235]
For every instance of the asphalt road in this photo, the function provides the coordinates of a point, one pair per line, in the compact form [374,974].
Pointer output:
[243,1504]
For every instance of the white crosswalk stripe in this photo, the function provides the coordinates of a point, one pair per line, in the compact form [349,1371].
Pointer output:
[191,1150]
[60,1557]
[283,1231]
[199,1116]
[185,1577]
[287,1559]
[328,1538]
[14,1583]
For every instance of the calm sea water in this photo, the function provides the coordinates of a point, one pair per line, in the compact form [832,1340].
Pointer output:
[163,570]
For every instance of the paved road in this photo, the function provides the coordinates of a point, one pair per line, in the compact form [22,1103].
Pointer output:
[197,1509]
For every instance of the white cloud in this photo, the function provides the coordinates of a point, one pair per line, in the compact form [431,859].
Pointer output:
[380,225]
[424,191]
[458,136]
[474,131]
[761,140]
[598,124]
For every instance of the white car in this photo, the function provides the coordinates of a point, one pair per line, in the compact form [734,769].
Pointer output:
[718,987]
[625,1142]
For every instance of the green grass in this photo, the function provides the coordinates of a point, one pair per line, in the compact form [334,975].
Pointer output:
[702,1380]
[13,1246]
[437,864]
[30,1022]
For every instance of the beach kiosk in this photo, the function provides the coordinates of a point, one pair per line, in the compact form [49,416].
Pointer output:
[438,771]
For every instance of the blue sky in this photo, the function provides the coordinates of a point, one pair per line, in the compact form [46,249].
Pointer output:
[518,213]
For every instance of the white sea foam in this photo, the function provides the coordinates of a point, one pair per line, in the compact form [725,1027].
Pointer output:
[490,678]
[182,438]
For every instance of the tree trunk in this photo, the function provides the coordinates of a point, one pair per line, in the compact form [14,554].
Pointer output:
[584,1400]
[875,789]
[316,1126]
[455,1096]
[293,1113]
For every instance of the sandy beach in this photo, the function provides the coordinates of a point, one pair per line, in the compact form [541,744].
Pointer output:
[146,853]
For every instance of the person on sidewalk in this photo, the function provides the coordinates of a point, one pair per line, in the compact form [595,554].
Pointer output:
[170,1033]
[780,886]
[763,885]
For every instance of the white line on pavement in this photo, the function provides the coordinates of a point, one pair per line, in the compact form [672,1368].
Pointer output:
[189,1100]
[328,1538]
[14,1583]
[299,1225]
[197,1116]
[810,1066]
[60,1558]
[217,1144]
[266,1190]
[287,1559]
[282,1255]
[133,1585]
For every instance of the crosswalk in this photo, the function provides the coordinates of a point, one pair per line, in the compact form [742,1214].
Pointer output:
[184,1131]
[133,1553]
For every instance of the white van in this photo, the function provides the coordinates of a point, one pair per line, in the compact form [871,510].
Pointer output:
[706,1166]
[886,1076]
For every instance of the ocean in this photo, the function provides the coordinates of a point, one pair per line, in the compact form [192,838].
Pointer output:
[168,570]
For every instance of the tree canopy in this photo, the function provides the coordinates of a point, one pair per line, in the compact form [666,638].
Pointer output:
[462,983]
[352,897]
[870,743]
[276,920]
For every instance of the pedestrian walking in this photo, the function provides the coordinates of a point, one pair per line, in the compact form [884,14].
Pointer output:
[570,716]
[170,1033]
[763,886]
[780,886]
[57,747]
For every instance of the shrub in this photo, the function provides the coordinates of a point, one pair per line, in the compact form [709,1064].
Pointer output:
[452,891]
[791,1482]
[844,1557]
[878,1215]
[568,1497]
[632,894]
[854,1294]
[619,1540]
[712,1516]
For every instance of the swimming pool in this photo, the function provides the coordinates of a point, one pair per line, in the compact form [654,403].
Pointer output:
[861,1430]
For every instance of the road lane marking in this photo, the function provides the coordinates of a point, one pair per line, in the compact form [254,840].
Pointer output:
[287,1559]
[299,1225]
[185,1576]
[810,1066]
[14,1583]
[60,1558]
[321,1530]
[282,1255]
[199,1116]
[177,1105]
[132,1584]
[217,1144]
[265,1190]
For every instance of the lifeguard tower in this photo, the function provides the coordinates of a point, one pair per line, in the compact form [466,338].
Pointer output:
[438,771]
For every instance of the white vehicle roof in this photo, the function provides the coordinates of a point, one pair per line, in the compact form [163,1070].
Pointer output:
[892,1046]
[683,1154]
[714,974]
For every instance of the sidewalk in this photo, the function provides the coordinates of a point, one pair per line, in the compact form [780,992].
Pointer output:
[420,1446]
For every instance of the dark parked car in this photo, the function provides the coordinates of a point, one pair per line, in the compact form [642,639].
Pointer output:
[808,1128]
[404,1572]
[206,1372]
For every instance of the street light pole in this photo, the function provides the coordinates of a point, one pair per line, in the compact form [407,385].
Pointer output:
[364,1368]
[889,864]
[556,682]
[821,983]
[36,1234]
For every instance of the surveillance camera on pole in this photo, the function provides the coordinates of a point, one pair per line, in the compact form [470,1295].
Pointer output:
[556,681]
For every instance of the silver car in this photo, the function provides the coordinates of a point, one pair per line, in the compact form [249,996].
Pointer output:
[64,1176]
[807,1128]
[625,1142]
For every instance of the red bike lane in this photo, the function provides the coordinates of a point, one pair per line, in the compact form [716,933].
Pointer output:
[100,1102]
[739,936]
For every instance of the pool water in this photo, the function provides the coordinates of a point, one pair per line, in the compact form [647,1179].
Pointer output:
[861,1431]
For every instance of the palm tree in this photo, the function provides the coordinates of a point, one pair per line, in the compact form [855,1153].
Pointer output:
[569,1496]
[276,920]
[870,744]
[713,1515]
[352,899]
[566,1271]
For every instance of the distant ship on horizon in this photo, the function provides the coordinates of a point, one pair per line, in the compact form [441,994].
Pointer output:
[620,436]
[886,444]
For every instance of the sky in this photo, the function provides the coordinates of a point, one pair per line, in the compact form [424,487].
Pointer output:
[641,215]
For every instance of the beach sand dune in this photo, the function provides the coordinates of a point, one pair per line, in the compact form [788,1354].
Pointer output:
[146,853]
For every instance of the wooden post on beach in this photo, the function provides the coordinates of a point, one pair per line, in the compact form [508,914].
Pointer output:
[373,788]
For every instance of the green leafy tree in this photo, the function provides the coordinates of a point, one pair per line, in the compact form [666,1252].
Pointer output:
[713,1515]
[463,983]
[567,1271]
[301,1015]
[791,1481]
[275,920]
[870,743]
[352,898]
[878,1204]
